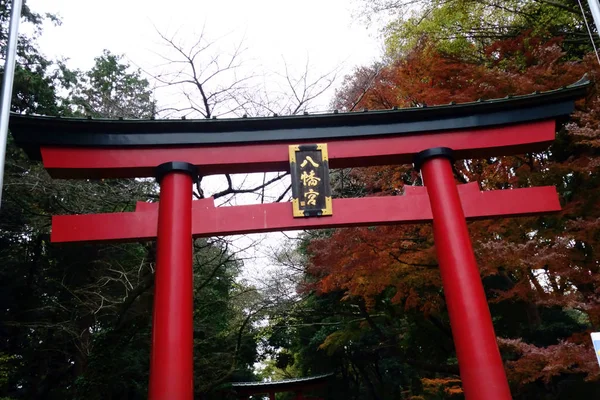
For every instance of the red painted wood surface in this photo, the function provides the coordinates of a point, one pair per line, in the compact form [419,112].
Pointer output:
[481,368]
[171,363]
[207,220]
[81,162]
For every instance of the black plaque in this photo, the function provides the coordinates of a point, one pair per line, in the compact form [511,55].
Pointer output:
[311,191]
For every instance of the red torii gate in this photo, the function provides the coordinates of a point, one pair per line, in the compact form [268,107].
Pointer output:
[176,151]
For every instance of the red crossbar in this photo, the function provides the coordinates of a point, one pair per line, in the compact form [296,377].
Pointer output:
[81,162]
[208,220]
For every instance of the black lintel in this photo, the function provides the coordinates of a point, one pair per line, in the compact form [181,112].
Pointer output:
[32,132]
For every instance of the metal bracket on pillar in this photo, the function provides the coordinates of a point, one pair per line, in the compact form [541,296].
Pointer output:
[176,166]
[429,153]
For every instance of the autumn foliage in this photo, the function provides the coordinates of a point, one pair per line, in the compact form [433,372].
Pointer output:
[541,275]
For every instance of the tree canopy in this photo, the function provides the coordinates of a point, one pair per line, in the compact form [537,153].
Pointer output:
[466,27]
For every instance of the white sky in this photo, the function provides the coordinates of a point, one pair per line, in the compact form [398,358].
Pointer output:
[322,32]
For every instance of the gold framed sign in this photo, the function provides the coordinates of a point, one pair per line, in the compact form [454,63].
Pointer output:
[311,190]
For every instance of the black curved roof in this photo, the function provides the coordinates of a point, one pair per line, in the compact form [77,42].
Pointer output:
[284,382]
[31,132]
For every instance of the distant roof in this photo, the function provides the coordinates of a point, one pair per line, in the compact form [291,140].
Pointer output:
[32,132]
[285,385]
[283,381]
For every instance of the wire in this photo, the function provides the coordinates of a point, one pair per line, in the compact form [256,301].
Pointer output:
[589,31]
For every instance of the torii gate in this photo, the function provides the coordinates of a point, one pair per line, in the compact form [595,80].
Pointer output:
[299,386]
[176,151]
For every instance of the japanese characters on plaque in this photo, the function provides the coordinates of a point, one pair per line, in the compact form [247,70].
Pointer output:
[311,191]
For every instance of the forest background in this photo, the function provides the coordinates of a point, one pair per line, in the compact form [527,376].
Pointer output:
[365,304]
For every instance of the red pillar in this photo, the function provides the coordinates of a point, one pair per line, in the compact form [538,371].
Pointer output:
[171,365]
[481,368]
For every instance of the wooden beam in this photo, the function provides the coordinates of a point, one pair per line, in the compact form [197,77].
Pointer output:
[131,162]
[208,220]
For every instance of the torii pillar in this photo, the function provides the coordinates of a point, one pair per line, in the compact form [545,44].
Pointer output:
[481,367]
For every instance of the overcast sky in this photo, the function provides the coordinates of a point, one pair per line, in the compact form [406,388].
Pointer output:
[323,31]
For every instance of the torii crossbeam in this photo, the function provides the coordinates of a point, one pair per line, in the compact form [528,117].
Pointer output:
[177,151]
